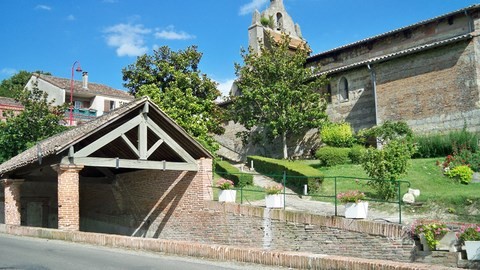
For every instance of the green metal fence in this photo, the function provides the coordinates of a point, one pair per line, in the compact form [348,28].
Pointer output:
[339,186]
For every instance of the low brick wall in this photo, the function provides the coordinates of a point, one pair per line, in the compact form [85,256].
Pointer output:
[297,260]
[277,229]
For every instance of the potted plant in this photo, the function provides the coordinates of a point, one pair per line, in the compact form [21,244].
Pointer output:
[274,198]
[227,193]
[470,236]
[354,206]
[430,233]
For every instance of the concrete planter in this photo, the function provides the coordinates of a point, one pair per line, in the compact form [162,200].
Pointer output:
[356,210]
[227,195]
[274,201]
[473,250]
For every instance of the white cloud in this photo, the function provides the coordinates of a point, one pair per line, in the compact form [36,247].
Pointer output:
[43,7]
[127,38]
[71,17]
[8,71]
[250,7]
[225,86]
[171,34]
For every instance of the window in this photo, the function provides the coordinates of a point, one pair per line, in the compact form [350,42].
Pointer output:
[78,104]
[343,89]
[329,93]
[279,21]
[108,105]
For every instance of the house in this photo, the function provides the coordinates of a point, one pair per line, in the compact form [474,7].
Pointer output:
[426,74]
[90,100]
[9,104]
[132,171]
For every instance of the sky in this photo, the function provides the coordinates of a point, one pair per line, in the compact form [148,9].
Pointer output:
[105,36]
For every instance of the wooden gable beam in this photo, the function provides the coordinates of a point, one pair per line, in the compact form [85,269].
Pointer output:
[143,122]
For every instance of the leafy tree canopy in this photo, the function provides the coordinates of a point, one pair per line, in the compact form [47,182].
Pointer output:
[39,120]
[277,92]
[13,86]
[174,82]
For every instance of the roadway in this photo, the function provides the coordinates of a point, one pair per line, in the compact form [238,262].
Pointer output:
[41,254]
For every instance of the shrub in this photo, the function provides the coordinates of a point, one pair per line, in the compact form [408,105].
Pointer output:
[331,156]
[386,132]
[462,157]
[356,153]
[227,171]
[434,145]
[461,173]
[337,135]
[387,165]
[440,145]
[298,175]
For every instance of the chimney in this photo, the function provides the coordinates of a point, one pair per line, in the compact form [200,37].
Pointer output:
[85,80]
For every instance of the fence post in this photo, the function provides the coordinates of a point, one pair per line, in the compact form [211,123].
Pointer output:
[284,188]
[241,195]
[335,189]
[399,204]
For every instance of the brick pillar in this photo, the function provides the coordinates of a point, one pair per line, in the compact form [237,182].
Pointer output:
[69,197]
[205,177]
[12,201]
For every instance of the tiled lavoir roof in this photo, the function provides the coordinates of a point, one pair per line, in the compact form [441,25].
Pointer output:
[61,142]
[94,88]
[476,6]
[10,102]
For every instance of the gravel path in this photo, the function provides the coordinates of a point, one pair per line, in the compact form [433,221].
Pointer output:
[305,204]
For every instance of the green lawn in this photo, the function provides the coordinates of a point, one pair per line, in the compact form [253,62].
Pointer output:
[437,191]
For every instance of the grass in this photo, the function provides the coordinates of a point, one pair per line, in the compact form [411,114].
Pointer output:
[437,191]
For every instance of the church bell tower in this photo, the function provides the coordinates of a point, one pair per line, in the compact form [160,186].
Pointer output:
[276,21]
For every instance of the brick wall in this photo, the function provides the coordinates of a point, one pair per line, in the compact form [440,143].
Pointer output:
[433,91]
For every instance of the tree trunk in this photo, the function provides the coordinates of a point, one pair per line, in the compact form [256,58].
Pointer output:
[285,150]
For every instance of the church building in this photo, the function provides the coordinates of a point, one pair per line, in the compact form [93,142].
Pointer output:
[426,74]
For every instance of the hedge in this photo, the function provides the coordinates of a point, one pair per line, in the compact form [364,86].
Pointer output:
[331,156]
[298,174]
[227,171]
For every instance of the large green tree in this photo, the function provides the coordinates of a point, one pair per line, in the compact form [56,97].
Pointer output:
[13,86]
[39,120]
[278,93]
[174,82]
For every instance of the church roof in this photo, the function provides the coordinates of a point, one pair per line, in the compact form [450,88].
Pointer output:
[463,10]
[398,54]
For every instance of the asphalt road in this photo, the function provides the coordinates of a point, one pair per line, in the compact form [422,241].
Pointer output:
[41,254]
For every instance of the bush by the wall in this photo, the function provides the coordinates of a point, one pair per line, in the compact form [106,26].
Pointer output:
[356,153]
[337,134]
[441,145]
[331,156]
[227,171]
[298,175]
